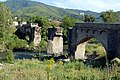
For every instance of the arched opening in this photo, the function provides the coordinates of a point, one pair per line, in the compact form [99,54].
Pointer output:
[92,51]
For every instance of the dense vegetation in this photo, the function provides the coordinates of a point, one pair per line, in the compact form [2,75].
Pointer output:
[110,16]
[50,70]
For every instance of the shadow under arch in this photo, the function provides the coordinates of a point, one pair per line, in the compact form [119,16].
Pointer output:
[94,58]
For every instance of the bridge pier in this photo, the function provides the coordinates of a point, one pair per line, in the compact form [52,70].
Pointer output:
[55,41]
[118,44]
[80,51]
[111,43]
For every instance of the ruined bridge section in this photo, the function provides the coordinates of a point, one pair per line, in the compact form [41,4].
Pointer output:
[107,34]
[55,41]
[30,30]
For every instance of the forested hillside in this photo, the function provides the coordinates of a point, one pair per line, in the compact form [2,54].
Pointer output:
[27,8]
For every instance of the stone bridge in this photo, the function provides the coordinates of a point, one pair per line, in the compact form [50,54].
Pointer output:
[107,34]
[30,30]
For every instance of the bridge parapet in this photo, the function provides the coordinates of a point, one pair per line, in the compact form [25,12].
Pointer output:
[115,26]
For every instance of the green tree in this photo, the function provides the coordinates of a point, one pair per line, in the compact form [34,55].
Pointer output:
[5,31]
[7,39]
[54,23]
[110,16]
[89,18]
[10,57]
[65,24]
[12,41]
[5,22]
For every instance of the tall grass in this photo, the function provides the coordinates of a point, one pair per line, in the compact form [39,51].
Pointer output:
[37,70]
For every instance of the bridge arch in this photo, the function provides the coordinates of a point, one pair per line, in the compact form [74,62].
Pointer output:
[87,31]
[80,49]
[95,30]
[103,31]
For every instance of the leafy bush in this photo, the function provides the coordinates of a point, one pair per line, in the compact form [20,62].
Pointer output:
[10,57]
[43,43]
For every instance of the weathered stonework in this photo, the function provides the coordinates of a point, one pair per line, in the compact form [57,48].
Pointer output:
[55,41]
[107,34]
[37,37]
[30,30]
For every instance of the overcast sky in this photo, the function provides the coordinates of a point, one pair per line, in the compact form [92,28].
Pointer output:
[93,5]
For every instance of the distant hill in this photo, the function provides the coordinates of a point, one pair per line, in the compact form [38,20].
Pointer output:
[27,8]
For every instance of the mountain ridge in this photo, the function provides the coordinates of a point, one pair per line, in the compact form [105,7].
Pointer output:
[23,8]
